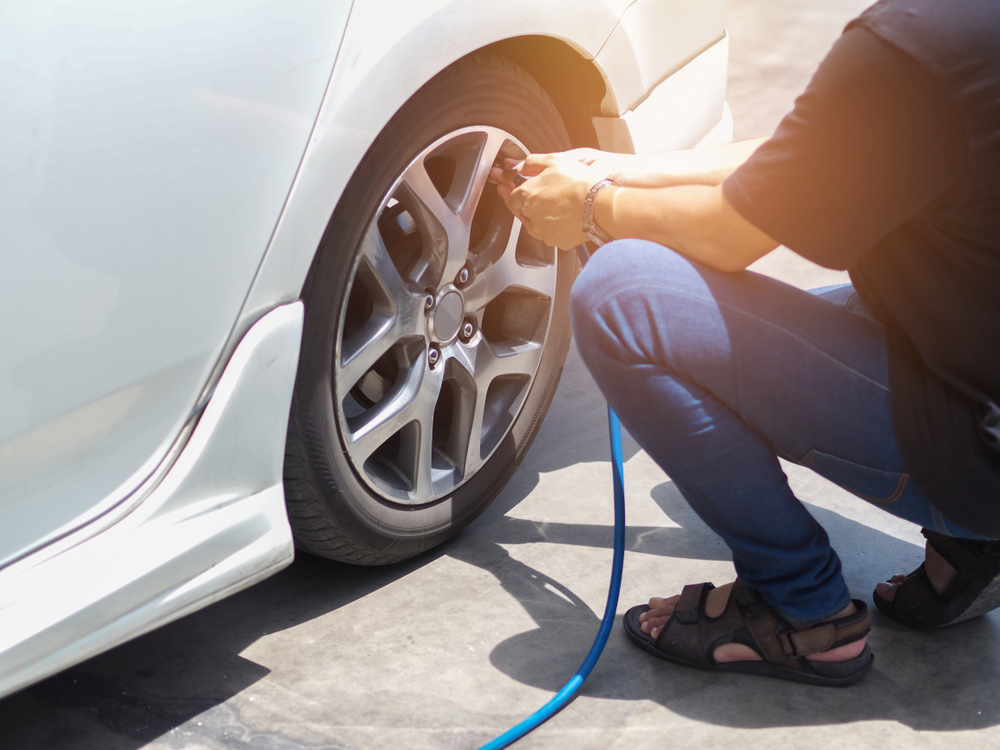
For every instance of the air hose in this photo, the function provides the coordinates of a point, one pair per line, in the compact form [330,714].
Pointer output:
[571,688]
[569,691]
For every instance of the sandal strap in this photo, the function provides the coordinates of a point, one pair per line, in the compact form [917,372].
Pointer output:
[691,602]
[763,624]
[970,557]
[779,643]
[826,635]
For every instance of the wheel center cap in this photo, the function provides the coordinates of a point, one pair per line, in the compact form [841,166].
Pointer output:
[448,316]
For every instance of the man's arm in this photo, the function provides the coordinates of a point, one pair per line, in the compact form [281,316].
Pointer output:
[693,219]
[703,166]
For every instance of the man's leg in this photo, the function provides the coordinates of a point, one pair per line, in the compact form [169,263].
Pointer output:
[716,374]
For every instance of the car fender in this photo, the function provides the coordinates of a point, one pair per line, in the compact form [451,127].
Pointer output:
[383,62]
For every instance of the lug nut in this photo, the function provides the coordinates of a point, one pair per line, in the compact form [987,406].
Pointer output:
[463,276]
[468,329]
[428,301]
[433,356]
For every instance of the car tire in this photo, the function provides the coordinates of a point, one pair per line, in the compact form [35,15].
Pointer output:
[435,329]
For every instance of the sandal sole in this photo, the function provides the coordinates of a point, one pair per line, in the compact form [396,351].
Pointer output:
[987,600]
[851,674]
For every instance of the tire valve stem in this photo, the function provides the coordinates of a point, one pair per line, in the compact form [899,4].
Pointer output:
[433,356]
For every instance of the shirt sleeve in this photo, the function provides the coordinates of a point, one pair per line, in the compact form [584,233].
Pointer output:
[874,140]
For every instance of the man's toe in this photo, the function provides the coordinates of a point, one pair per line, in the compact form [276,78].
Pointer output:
[886,590]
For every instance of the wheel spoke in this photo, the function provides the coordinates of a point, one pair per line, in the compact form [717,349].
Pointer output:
[423,480]
[473,460]
[413,402]
[513,358]
[376,256]
[360,352]
[477,182]
[489,362]
[397,313]
[507,273]
[438,217]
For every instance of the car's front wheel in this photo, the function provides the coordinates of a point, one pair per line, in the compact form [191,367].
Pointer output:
[436,328]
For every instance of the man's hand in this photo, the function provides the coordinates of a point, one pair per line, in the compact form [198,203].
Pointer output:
[550,204]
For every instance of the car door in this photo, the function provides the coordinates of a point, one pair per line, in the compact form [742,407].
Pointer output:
[147,152]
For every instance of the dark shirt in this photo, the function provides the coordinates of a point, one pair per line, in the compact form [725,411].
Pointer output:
[889,167]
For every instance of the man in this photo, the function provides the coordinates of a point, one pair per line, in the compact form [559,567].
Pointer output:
[889,166]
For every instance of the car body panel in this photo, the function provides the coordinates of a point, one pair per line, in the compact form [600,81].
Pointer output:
[149,149]
[214,522]
[654,39]
[685,107]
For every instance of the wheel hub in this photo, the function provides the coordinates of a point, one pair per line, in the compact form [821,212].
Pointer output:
[446,318]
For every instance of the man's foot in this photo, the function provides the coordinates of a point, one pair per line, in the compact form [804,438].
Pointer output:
[939,572]
[660,610]
[832,653]
[958,580]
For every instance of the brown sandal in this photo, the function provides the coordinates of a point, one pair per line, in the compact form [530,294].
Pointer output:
[690,637]
[975,591]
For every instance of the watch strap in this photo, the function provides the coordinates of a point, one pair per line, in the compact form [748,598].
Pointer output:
[590,228]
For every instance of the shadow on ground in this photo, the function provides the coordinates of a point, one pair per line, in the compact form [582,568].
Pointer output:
[129,696]
[939,680]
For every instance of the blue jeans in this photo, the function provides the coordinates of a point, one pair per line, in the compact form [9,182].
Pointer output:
[717,374]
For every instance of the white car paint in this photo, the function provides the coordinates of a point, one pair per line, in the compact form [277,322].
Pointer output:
[148,150]
[173,166]
[689,105]
[213,523]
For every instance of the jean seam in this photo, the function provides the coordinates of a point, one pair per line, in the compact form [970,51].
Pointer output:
[897,493]
[767,323]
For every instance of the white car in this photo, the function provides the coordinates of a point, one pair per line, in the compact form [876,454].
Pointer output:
[219,213]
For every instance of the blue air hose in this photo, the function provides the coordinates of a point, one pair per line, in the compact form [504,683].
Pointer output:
[569,691]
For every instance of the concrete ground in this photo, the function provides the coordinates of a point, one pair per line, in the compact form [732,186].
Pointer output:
[448,650]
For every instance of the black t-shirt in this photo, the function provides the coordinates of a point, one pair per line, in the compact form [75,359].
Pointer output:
[889,166]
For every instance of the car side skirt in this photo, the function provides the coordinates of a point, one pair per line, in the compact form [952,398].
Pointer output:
[215,523]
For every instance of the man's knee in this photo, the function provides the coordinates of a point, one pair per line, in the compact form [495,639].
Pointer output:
[618,267]
[609,294]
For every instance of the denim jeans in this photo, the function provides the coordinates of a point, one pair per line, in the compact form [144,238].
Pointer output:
[717,374]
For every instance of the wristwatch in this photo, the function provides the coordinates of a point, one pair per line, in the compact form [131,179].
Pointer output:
[596,235]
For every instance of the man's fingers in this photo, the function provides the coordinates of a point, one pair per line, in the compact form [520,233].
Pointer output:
[526,224]
[537,163]
[504,190]
[514,206]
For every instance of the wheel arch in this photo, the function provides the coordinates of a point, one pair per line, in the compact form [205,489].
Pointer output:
[575,83]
